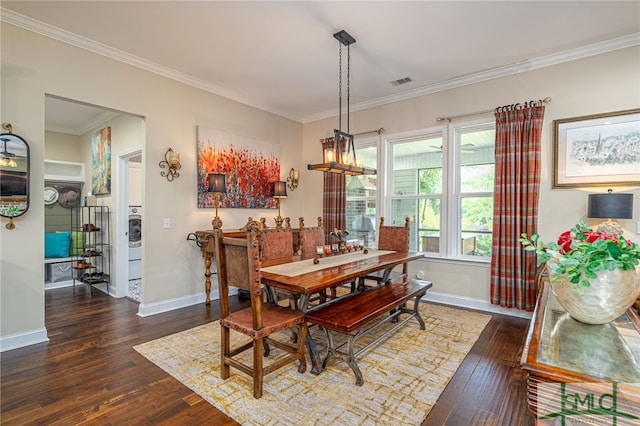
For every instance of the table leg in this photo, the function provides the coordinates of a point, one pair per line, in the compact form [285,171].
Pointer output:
[385,276]
[207,277]
[316,361]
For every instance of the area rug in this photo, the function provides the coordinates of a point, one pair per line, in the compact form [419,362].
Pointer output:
[403,375]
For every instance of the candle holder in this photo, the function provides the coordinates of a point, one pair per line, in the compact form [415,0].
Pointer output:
[292,180]
[171,162]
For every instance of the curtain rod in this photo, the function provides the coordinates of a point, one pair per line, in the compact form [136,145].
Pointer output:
[378,131]
[505,107]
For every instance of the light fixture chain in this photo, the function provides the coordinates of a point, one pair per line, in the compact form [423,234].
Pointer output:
[340,88]
[348,85]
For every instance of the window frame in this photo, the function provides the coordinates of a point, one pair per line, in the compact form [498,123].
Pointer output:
[451,197]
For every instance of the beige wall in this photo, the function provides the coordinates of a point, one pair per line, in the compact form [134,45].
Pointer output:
[33,66]
[62,147]
[604,83]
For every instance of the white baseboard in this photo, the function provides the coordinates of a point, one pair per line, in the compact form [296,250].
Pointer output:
[60,284]
[147,309]
[477,304]
[26,338]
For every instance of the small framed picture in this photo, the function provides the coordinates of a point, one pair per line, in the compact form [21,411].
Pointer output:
[597,150]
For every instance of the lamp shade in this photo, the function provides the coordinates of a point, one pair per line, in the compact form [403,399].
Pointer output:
[279,189]
[217,183]
[610,206]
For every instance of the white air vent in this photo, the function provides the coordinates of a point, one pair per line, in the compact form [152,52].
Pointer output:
[402,81]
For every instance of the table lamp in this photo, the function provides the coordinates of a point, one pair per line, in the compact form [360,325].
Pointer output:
[217,185]
[279,192]
[610,206]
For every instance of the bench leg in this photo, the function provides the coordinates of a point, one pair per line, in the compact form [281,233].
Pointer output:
[351,359]
[330,348]
[416,312]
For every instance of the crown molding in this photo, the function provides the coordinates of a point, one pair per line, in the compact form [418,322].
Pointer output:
[72,39]
[477,77]
[118,55]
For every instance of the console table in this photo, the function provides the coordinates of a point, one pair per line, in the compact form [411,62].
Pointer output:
[207,246]
[595,359]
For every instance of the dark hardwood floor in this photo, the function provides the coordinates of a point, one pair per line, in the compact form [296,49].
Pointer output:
[89,373]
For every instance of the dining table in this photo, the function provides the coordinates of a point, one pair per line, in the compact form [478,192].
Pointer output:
[304,278]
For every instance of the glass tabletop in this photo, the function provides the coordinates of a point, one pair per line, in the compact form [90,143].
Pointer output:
[609,351]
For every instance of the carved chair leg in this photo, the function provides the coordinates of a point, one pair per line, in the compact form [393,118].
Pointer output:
[224,367]
[258,372]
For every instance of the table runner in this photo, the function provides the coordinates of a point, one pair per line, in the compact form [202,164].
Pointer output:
[300,267]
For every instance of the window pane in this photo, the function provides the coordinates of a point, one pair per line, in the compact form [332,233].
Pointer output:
[430,181]
[477,159]
[411,157]
[368,155]
[477,178]
[361,198]
[429,225]
[361,220]
[401,209]
[476,226]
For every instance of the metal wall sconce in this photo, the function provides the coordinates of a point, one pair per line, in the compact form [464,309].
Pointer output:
[217,185]
[292,180]
[279,192]
[171,162]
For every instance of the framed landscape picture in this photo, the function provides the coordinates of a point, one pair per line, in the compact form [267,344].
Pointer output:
[597,150]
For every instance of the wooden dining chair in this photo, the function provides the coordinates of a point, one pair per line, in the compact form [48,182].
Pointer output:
[239,266]
[276,246]
[310,239]
[395,238]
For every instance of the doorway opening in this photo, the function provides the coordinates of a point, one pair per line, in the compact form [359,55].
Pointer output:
[70,128]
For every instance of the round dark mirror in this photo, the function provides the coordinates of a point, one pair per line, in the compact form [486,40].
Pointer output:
[14,175]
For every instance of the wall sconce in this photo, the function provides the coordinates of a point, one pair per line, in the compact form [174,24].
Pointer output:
[279,192]
[217,185]
[610,206]
[172,163]
[292,180]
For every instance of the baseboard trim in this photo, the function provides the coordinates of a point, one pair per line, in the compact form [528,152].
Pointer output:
[19,340]
[476,304]
[148,309]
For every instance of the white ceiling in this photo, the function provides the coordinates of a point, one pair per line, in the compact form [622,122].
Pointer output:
[280,56]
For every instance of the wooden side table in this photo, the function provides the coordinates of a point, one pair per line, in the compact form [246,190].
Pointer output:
[603,357]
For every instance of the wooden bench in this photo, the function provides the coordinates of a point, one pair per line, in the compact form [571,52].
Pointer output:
[361,312]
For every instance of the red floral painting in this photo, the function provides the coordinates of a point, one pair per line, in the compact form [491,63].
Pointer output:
[250,168]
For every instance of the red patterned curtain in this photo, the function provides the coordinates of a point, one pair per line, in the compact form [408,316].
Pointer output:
[334,204]
[517,185]
[334,199]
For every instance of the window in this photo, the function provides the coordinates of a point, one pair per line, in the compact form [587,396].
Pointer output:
[442,178]
[474,192]
[362,197]
[416,181]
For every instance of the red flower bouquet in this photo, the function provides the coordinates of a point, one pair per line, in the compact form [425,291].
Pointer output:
[581,252]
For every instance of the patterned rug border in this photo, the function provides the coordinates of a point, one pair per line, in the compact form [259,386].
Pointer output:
[404,375]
